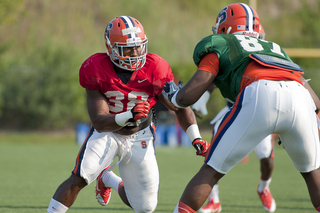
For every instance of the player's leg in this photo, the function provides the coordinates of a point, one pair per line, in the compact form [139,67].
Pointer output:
[201,185]
[266,168]
[238,134]
[89,164]
[264,152]
[301,139]
[66,194]
[106,181]
[313,183]
[310,173]
[139,172]
[213,205]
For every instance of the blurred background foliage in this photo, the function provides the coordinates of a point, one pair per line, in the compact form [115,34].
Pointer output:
[44,42]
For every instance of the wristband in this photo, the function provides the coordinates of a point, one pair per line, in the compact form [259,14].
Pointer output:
[193,132]
[174,101]
[122,118]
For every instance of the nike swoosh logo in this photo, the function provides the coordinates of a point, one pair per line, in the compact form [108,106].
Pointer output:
[140,81]
[55,209]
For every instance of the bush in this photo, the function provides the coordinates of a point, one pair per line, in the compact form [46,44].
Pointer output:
[43,94]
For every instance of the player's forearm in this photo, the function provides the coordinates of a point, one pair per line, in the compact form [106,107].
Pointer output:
[312,93]
[188,123]
[186,118]
[200,82]
[314,97]
[105,123]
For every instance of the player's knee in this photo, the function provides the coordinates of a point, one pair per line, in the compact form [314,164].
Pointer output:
[76,181]
[146,207]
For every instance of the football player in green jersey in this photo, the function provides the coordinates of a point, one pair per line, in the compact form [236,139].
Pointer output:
[264,152]
[270,96]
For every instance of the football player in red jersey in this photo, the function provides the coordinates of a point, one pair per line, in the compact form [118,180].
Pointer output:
[270,96]
[122,86]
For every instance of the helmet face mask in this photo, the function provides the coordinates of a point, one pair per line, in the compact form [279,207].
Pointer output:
[237,18]
[262,34]
[126,43]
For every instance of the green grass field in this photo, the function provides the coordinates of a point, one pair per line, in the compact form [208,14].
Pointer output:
[34,164]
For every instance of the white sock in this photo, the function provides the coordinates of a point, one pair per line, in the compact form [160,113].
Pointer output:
[264,184]
[214,194]
[56,206]
[176,210]
[110,179]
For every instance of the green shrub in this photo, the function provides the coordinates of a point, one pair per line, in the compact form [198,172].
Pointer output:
[42,89]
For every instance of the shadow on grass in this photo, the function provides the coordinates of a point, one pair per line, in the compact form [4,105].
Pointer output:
[74,208]
[232,208]
[226,208]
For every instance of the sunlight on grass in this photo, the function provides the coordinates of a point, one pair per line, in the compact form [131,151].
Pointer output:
[36,169]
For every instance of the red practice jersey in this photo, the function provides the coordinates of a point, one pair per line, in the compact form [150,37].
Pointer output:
[97,72]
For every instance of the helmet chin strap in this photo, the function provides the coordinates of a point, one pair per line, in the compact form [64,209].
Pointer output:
[229,29]
[108,41]
[217,26]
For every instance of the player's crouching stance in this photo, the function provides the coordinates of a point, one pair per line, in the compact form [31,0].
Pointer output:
[122,86]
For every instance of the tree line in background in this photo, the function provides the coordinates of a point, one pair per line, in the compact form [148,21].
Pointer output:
[43,43]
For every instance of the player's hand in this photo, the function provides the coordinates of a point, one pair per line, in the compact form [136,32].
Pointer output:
[201,105]
[170,88]
[197,114]
[140,110]
[201,146]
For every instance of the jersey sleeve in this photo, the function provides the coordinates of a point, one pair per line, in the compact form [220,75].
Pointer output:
[210,63]
[212,43]
[168,73]
[86,77]
[162,74]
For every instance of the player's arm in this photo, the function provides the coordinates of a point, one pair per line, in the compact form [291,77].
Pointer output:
[103,121]
[194,88]
[201,81]
[313,94]
[185,116]
[201,104]
[188,123]
[211,88]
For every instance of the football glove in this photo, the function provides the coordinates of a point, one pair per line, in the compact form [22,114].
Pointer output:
[201,146]
[201,104]
[140,110]
[170,88]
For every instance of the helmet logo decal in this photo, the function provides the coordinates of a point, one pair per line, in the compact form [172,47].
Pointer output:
[222,15]
[131,30]
[109,27]
[241,27]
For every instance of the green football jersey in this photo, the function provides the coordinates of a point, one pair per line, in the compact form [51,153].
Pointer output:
[234,55]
